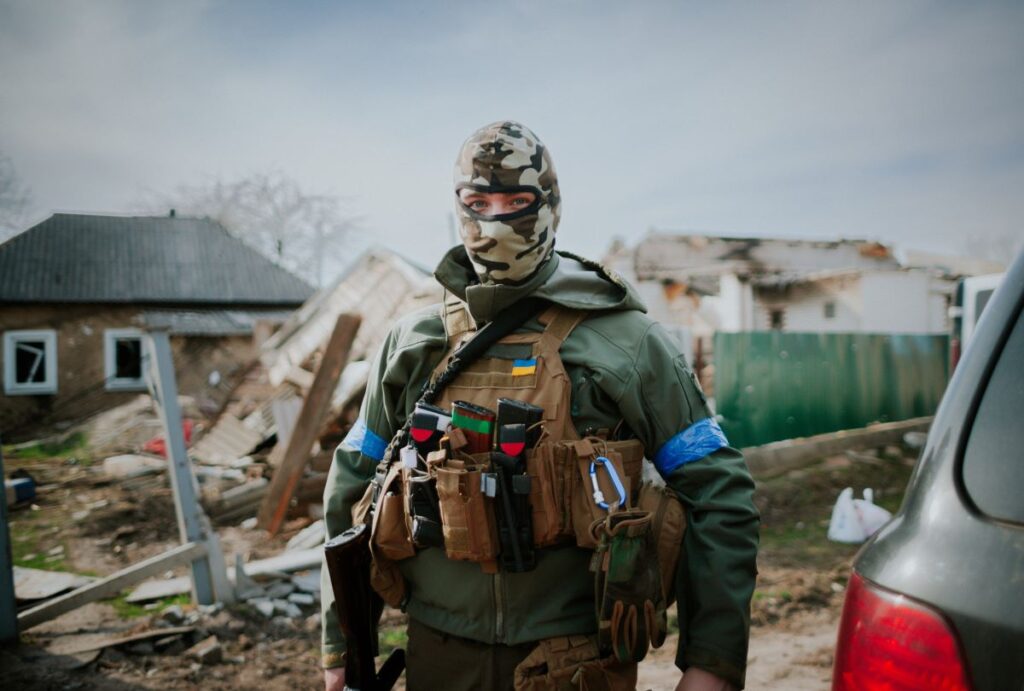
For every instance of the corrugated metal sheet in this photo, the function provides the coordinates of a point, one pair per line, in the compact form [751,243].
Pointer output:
[774,385]
[115,259]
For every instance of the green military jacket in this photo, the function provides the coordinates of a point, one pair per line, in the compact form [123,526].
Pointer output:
[624,370]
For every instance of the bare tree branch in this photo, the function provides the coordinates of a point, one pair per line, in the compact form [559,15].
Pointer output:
[15,200]
[305,233]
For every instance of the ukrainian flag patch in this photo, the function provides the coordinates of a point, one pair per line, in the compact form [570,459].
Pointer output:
[522,368]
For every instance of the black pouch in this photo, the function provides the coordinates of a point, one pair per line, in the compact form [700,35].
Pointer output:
[512,513]
[424,511]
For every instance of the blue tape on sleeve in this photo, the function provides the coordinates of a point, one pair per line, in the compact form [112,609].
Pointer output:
[353,441]
[361,438]
[700,439]
[373,446]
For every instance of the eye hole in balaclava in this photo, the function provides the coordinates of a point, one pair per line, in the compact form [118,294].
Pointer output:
[507,157]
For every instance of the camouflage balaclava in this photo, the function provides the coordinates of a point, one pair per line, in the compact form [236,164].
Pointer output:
[507,157]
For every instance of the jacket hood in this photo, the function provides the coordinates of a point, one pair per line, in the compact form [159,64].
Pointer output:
[564,279]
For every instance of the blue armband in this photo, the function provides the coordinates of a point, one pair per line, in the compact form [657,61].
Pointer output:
[362,439]
[700,439]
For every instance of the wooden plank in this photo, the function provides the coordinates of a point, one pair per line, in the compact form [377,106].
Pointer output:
[780,457]
[111,585]
[88,642]
[314,408]
[294,560]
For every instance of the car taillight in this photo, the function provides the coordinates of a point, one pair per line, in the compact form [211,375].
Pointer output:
[888,642]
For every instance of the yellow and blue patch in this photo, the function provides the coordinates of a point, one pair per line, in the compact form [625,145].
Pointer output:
[522,368]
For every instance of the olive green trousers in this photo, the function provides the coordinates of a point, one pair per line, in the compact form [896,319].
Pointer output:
[436,661]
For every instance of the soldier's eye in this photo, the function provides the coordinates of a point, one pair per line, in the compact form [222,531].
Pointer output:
[521,201]
[478,204]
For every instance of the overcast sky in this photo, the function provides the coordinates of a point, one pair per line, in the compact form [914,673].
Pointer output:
[898,121]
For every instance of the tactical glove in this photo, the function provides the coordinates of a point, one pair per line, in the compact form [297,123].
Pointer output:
[629,598]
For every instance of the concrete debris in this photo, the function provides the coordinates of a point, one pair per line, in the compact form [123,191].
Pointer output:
[303,599]
[132,465]
[308,582]
[37,584]
[279,590]
[288,609]
[264,606]
[207,651]
[245,587]
[310,536]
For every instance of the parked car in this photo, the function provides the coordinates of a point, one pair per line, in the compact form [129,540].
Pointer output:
[936,598]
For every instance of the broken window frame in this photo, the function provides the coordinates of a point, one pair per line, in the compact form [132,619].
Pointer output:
[112,381]
[12,387]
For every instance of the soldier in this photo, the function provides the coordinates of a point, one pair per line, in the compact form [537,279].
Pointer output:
[603,371]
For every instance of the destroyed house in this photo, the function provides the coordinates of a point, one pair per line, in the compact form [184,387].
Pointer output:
[704,284]
[78,291]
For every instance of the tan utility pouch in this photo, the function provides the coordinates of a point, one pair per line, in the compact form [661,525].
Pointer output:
[545,464]
[583,501]
[387,539]
[467,518]
[570,663]
[668,526]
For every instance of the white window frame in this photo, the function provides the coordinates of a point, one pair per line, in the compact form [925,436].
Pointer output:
[46,387]
[114,383]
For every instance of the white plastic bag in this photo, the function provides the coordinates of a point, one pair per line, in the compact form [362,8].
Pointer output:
[855,520]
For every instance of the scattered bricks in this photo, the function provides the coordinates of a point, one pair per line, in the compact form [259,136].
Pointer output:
[207,652]
[302,599]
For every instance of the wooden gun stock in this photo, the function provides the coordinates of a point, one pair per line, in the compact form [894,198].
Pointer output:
[359,609]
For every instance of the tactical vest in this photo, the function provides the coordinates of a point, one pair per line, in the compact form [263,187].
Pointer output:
[574,483]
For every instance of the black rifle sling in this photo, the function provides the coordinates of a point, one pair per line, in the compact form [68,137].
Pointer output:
[505,323]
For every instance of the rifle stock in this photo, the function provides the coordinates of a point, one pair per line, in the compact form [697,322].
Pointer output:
[359,608]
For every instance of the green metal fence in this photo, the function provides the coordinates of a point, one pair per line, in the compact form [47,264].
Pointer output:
[773,385]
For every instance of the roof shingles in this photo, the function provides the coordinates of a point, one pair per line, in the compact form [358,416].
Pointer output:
[83,258]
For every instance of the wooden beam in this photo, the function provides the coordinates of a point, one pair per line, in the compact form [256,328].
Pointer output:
[780,457]
[314,408]
[111,585]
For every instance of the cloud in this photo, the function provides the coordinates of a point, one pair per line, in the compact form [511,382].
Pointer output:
[898,121]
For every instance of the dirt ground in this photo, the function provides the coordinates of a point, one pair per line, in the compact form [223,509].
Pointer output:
[102,527]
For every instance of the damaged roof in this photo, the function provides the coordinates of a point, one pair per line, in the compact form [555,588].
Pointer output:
[141,259]
[680,256]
